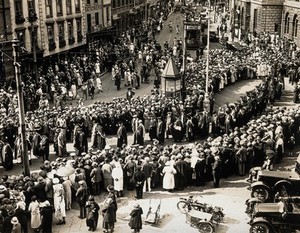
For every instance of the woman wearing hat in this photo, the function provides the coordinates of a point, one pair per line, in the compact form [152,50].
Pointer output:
[135,221]
[92,213]
[108,213]
[34,208]
[16,226]
[169,176]
[117,175]
[47,217]
[59,201]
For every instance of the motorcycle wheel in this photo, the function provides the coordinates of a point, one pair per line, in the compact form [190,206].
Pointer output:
[205,227]
[183,207]
[217,217]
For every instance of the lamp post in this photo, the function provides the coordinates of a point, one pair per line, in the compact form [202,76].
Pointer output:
[24,149]
[206,97]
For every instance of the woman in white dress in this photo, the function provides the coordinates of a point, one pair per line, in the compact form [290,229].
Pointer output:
[59,202]
[67,184]
[117,175]
[34,208]
[169,176]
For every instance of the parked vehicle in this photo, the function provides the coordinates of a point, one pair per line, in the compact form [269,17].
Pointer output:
[268,183]
[250,204]
[202,221]
[282,216]
[187,204]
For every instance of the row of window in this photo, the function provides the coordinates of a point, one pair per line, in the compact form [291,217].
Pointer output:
[119,3]
[97,19]
[61,30]
[59,7]
[49,4]
[61,34]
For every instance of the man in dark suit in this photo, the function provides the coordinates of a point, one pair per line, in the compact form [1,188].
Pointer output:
[216,168]
[40,190]
[121,135]
[160,131]
[139,178]
[181,167]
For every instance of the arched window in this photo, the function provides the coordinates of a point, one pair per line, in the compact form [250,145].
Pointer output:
[295,26]
[286,23]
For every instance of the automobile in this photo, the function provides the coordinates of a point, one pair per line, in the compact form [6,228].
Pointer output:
[282,216]
[282,183]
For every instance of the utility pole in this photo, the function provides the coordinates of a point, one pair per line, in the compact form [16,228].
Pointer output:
[206,97]
[183,90]
[24,149]
[33,38]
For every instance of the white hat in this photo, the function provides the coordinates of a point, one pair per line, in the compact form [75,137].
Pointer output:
[55,181]
[14,221]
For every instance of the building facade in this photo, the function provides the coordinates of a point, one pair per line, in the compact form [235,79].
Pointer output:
[98,20]
[62,25]
[128,13]
[290,21]
[5,35]
[278,17]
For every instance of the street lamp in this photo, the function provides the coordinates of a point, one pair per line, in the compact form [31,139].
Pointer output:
[24,149]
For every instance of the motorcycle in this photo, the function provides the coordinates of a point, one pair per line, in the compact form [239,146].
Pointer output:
[186,204]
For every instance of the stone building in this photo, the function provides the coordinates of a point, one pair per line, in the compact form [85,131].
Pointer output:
[290,21]
[258,16]
[98,20]
[128,13]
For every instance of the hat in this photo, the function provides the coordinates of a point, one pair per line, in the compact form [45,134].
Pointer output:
[55,181]
[107,147]
[91,198]
[11,212]
[14,221]
[109,200]
[168,163]
[217,158]
[136,206]
[110,188]
[2,188]
[81,182]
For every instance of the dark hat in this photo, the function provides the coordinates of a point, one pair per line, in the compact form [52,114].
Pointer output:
[110,188]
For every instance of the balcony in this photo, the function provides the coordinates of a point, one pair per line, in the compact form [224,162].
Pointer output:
[19,18]
[71,40]
[62,43]
[52,45]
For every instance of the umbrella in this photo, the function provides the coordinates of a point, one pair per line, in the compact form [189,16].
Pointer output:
[65,171]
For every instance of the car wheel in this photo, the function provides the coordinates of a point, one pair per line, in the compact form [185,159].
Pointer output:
[282,190]
[260,192]
[183,207]
[205,227]
[260,227]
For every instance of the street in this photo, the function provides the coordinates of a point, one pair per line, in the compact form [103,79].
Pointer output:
[231,195]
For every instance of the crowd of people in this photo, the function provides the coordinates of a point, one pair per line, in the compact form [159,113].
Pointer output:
[262,142]
[236,137]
